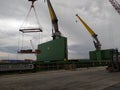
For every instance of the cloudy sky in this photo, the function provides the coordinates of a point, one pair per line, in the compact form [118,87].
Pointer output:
[98,14]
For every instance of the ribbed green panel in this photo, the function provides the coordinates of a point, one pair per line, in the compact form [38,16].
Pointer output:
[108,54]
[95,55]
[101,54]
[53,50]
[92,55]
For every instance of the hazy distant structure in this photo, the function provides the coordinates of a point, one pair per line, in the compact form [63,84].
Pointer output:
[116,5]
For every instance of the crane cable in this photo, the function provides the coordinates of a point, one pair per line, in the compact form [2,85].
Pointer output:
[36,16]
[37,20]
[26,19]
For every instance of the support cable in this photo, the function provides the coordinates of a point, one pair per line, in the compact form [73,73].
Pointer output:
[22,40]
[36,16]
[26,19]
[32,29]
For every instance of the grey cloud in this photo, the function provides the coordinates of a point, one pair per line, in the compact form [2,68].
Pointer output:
[9,49]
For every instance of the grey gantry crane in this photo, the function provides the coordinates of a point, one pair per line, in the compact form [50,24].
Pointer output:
[116,5]
[114,66]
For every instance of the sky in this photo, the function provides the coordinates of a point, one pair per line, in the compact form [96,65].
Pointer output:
[98,14]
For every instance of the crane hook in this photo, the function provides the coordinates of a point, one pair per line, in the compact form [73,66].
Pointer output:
[32,2]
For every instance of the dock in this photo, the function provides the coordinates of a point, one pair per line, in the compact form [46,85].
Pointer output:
[94,78]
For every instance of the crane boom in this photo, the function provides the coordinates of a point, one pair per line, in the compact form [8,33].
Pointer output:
[116,5]
[93,34]
[56,33]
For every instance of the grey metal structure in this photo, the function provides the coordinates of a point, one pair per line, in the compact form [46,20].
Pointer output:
[116,5]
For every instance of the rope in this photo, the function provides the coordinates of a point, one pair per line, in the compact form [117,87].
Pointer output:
[18,46]
[36,16]
[26,19]
[22,40]
[19,42]
[39,38]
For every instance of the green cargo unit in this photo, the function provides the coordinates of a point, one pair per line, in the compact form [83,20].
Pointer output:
[106,54]
[55,50]
[95,55]
[92,55]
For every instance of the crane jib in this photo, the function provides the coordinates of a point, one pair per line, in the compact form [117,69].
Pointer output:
[56,33]
[96,41]
[86,26]
[51,10]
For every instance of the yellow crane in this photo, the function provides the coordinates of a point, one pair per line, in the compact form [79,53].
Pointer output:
[93,34]
[55,31]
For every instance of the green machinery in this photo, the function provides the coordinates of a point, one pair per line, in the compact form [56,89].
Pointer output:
[104,55]
[56,49]
[97,55]
[53,55]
